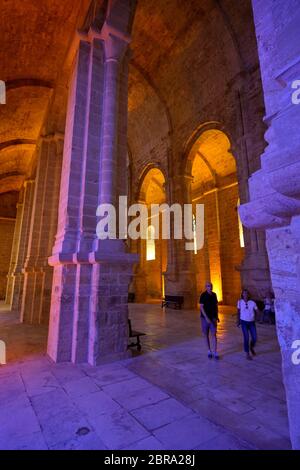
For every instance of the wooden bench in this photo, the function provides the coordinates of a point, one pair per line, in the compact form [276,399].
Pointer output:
[134,334]
[175,300]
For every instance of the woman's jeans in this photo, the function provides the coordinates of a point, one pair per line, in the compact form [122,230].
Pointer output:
[249,327]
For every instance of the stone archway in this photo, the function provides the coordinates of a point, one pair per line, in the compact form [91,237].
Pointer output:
[214,184]
[149,280]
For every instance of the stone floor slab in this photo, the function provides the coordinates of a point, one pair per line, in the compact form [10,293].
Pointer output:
[186,433]
[89,441]
[80,387]
[150,443]
[141,398]
[118,429]
[126,386]
[160,414]
[17,426]
[97,403]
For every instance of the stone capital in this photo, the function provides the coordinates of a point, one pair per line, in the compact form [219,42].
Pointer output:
[272,198]
[114,47]
[184,177]
[27,182]
[115,42]
[54,137]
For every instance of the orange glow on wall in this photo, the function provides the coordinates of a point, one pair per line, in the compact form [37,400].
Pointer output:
[241,229]
[217,288]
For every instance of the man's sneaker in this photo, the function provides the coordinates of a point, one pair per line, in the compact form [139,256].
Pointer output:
[253,351]
[248,357]
[209,355]
[216,356]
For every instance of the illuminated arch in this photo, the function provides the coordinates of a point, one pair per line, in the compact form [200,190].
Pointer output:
[212,166]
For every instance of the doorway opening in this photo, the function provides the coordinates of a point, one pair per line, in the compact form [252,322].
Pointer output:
[149,279]
[213,168]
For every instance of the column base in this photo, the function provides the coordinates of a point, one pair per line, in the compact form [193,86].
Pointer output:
[17,292]
[35,307]
[9,290]
[89,310]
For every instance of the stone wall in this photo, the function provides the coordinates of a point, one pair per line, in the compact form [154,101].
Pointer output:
[6,238]
[186,90]
[8,202]
[222,254]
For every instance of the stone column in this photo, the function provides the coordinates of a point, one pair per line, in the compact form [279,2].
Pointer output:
[140,277]
[35,306]
[249,144]
[275,189]
[180,277]
[22,246]
[88,318]
[214,252]
[14,253]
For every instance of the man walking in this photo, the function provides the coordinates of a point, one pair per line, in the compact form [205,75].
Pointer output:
[209,318]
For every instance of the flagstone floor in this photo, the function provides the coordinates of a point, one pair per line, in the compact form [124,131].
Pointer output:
[171,396]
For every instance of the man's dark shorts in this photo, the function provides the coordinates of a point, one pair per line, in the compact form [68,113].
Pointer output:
[212,326]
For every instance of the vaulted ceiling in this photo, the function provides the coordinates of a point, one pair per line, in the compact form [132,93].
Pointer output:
[36,36]
[187,57]
[213,165]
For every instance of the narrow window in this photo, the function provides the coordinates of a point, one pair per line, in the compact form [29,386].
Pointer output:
[150,244]
[195,234]
[241,228]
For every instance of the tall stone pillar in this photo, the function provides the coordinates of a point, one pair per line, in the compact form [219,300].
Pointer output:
[35,305]
[275,189]
[24,232]
[89,311]
[14,253]
[140,276]
[180,277]
[214,251]
[248,146]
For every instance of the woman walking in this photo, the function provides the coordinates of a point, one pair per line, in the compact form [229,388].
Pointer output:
[246,319]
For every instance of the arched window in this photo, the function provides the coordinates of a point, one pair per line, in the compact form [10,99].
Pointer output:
[150,243]
[241,228]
